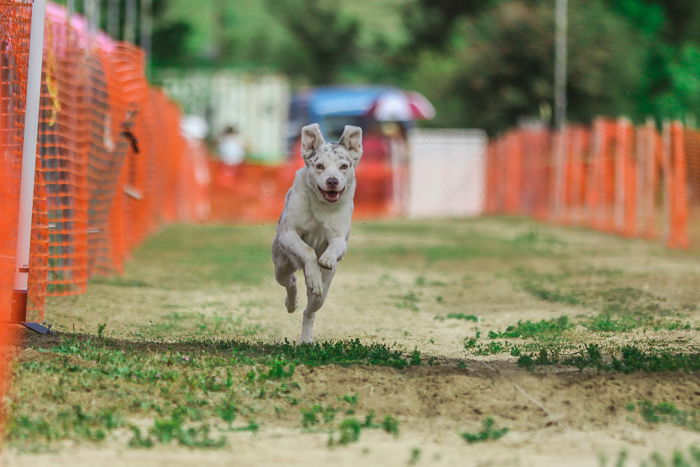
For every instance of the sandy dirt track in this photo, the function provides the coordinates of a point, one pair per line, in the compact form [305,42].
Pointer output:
[397,286]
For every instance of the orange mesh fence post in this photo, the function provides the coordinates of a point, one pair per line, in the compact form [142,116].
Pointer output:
[545,173]
[500,186]
[624,179]
[666,168]
[489,198]
[503,160]
[529,172]
[691,147]
[654,164]
[572,175]
[578,149]
[495,177]
[646,186]
[608,177]
[568,188]
[619,175]
[593,188]
[630,180]
[513,169]
[558,164]
[678,234]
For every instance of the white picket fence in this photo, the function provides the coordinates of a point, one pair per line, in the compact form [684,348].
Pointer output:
[257,105]
[447,173]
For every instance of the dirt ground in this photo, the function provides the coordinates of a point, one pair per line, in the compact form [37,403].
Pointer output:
[397,286]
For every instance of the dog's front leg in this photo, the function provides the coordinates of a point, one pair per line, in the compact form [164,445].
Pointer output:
[294,245]
[334,252]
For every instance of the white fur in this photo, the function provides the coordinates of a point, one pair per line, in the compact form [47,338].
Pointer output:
[313,231]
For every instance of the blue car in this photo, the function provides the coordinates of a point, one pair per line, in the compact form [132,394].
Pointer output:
[333,107]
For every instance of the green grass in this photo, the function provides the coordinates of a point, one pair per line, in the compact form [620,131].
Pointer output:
[454,242]
[678,458]
[119,281]
[195,391]
[408,301]
[196,255]
[627,359]
[667,412]
[149,373]
[549,293]
[198,324]
[620,309]
[488,432]
[528,329]
[349,429]
[462,316]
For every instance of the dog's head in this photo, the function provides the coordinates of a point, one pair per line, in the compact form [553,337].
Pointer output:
[330,167]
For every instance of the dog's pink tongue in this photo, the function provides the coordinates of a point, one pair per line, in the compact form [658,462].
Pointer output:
[332,195]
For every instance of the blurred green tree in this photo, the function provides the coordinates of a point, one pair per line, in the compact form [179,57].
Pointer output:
[504,65]
[486,63]
[326,41]
[666,87]
[431,23]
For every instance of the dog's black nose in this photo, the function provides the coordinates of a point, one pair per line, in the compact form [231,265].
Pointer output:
[332,183]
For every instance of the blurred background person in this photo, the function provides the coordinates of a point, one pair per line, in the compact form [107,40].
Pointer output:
[231,146]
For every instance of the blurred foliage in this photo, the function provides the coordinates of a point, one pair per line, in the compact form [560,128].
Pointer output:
[483,63]
[327,38]
[504,62]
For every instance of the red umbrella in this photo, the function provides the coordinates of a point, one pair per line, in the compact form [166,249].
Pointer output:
[401,106]
[421,106]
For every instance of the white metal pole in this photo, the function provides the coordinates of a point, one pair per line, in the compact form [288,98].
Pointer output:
[130,21]
[560,56]
[560,65]
[91,15]
[146,26]
[31,126]
[113,13]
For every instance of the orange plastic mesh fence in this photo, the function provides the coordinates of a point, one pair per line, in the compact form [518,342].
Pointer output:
[112,163]
[255,193]
[691,146]
[614,177]
[14,50]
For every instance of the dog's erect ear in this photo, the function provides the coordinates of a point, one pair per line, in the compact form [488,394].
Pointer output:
[352,141]
[311,139]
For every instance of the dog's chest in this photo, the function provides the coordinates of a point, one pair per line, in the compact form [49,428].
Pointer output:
[314,233]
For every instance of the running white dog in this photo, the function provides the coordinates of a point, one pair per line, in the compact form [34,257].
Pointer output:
[313,231]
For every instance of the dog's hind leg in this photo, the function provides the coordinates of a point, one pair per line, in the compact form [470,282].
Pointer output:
[284,274]
[314,304]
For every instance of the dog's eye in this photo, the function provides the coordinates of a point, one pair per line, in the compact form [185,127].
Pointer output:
[344,167]
[320,166]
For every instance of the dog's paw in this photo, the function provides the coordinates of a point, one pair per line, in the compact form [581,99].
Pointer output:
[314,284]
[305,340]
[328,260]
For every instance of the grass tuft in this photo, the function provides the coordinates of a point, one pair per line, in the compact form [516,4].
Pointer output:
[488,432]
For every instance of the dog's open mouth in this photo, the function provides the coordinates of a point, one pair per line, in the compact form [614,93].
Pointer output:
[331,196]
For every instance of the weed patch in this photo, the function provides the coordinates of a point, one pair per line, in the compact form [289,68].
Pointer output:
[488,432]
[528,329]
[667,412]
[678,458]
[627,360]
[549,294]
[462,316]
